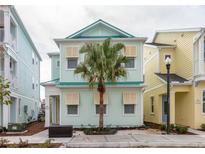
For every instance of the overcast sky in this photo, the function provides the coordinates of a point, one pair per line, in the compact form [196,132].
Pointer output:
[44,23]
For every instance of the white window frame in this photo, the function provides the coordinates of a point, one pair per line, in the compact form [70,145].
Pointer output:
[33,58]
[134,64]
[129,114]
[99,114]
[202,102]
[33,83]
[78,106]
[67,63]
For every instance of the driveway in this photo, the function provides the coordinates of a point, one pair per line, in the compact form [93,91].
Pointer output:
[124,138]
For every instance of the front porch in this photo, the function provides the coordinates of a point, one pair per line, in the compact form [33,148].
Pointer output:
[180,105]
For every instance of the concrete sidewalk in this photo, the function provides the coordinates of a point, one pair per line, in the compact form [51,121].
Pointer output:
[125,139]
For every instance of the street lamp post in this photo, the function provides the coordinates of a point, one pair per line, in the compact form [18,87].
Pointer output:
[168,64]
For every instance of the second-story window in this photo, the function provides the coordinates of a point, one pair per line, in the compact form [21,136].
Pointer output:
[33,58]
[131,53]
[72,63]
[131,63]
[58,63]
[203,101]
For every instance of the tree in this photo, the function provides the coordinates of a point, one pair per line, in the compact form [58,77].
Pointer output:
[5,91]
[103,62]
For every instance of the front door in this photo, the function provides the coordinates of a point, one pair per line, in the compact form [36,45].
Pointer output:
[13,110]
[164,108]
[54,110]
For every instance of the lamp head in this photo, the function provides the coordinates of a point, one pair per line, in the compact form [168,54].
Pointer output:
[168,61]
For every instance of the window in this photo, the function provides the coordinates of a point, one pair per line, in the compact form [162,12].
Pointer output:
[152,104]
[131,63]
[203,105]
[129,108]
[33,85]
[58,63]
[12,65]
[166,56]
[97,109]
[33,58]
[72,109]
[72,62]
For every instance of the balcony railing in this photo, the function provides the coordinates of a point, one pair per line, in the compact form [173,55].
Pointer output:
[1,34]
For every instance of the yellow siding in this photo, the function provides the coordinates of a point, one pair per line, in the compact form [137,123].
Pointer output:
[184,113]
[199,116]
[157,94]
[183,41]
[149,52]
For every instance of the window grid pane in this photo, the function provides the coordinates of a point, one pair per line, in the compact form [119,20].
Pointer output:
[72,109]
[72,62]
[129,108]
[131,63]
[97,109]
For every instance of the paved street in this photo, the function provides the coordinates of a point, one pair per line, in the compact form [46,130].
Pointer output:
[134,138]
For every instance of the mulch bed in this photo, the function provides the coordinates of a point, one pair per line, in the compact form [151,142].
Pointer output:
[32,128]
[33,145]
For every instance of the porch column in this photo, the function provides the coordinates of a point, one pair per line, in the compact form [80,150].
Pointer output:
[6,26]
[6,108]
[172,107]
[47,111]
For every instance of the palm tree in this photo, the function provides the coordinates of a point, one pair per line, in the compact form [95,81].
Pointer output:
[103,62]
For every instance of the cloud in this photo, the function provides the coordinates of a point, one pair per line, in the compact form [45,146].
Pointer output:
[44,23]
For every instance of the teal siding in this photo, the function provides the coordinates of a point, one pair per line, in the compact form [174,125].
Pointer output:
[114,117]
[26,73]
[55,70]
[135,74]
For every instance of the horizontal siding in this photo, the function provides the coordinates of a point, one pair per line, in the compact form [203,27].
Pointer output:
[184,58]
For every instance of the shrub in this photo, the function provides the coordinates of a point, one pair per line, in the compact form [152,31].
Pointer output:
[47,143]
[181,129]
[162,127]
[3,142]
[99,131]
[22,144]
[203,127]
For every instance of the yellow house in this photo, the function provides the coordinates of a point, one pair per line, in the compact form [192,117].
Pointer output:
[186,48]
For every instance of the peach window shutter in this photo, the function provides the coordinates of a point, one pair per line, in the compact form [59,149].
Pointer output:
[71,52]
[97,98]
[129,98]
[130,51]
[72,98]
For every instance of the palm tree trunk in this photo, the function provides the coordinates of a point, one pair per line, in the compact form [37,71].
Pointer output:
[101,111]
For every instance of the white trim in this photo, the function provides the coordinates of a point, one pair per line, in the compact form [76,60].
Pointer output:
[16,95]
[160,47]
[100,21]
[156,54]
[142,106]
[50,54]
[58,41]
[129,114]
[73,115]
[158,86]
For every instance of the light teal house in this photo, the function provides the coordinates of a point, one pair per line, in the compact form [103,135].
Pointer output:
[20,64]
[69,101]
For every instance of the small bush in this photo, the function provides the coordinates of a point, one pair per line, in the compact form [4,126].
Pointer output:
[162,127]
[181,129]
[203,127]
[3,142]
[98,131]
[22,144]
[47,144]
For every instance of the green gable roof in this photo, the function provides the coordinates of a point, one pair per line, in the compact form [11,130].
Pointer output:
[100,29]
